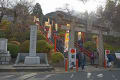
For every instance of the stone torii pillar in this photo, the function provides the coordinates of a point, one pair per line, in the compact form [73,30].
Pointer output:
[100,48]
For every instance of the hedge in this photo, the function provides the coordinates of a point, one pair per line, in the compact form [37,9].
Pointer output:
[42,46]
[57,57]
[13,48]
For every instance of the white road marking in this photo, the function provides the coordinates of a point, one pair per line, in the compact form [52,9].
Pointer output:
[47,76]
[8,76]
[72,76]
[88,75]
[27,76]
[100,75]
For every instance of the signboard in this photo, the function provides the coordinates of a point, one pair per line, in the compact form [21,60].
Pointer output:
[107,51]
[117,55]
[72,57]
[73,51]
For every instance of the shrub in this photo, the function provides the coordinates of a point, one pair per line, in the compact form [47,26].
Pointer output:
[24,47]
[4,24]
[15,42]
[40,37]
[42,46]
[13,48]
[12,39]
[57,57]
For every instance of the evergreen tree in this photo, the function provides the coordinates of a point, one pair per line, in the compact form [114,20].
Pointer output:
[37,11]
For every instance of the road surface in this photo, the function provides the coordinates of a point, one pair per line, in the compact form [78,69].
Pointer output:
[82,75]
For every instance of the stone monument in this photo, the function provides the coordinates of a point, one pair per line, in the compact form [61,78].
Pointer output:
[3,44]
[32,58]
[5,56]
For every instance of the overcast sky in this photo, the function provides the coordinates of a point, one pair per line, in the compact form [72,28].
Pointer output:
[51,5]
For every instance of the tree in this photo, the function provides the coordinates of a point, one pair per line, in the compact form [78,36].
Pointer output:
[37,11]
[111,13]
[3,8]
[22,20]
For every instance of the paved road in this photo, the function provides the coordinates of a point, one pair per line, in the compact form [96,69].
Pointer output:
[82,75]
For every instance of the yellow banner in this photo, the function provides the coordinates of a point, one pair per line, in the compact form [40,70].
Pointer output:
[66,41]
[49,32]
[79,35]
[56,27]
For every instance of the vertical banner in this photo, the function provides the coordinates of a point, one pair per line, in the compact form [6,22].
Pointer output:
[49,32]
[97,42]
[56,27]
[52,23]
[66,41]
[79,35]
[34,19]
[48,21]
[83,36]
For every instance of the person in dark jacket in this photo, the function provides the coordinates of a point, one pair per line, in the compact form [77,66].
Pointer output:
[110,60]
[79,59]
[92,59]
[83,60]
[96,59]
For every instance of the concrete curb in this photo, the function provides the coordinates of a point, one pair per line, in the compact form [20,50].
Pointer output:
[26,70]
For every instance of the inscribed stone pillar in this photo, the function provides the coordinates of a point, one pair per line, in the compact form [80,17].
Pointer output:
[32,58]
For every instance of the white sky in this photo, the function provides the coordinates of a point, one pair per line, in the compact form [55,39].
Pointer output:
[51,5]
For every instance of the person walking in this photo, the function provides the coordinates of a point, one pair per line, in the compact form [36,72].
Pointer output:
[110,61]
[92,59]
[83,60]
[96,59]
[79,59]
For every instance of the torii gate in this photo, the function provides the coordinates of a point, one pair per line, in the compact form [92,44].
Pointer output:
[99,32]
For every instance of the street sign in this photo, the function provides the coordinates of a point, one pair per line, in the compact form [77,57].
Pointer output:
[107,51]
[72,57]
[73,51]
[117,55]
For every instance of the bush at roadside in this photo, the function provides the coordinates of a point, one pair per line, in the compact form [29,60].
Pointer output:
[14,49]
[57,58]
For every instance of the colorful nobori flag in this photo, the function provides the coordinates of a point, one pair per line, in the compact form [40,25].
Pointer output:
[56,27]
[79,35]
[49,32]
[66,41]
[36,19]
